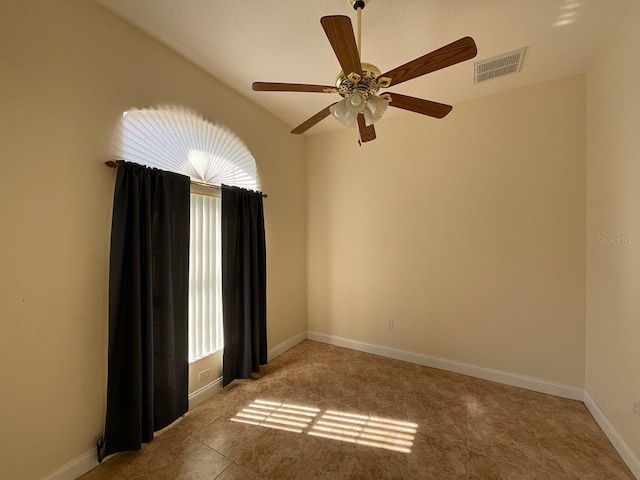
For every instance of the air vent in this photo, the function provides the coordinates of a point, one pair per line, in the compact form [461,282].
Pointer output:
[499,66]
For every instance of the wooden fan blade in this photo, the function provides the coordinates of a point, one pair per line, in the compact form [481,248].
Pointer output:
[321,115]
[366,133]
[418,105]
[291,87]
[340,34]
[456,52]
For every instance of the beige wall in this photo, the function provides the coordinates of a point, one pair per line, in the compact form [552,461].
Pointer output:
[469,232]
[68,69]
[613,202]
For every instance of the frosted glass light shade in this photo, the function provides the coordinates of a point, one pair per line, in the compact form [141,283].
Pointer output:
[346,110]
[356,102]
[341,112]
[183,141]
[376,106]
[350,119]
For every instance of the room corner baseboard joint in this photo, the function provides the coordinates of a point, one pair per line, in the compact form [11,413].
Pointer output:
[630,458]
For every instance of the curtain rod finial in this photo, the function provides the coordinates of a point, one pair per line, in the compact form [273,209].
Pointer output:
[111,164]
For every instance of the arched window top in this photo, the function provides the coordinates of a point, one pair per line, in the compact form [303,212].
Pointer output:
[181,140]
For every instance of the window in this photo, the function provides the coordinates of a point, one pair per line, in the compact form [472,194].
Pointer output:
[205,277]
[182,141]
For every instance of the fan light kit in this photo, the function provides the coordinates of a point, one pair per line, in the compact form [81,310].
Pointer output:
[359,83]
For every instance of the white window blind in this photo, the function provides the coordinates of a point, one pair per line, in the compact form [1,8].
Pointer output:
[183,141]
[205,277]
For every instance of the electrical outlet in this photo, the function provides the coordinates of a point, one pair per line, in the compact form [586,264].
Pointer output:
[390,324]
[204,374]
[636,407]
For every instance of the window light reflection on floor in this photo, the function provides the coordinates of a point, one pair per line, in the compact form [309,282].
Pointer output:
[360,429]
[281,416]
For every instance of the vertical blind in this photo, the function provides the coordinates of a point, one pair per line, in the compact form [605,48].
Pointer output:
[205,277]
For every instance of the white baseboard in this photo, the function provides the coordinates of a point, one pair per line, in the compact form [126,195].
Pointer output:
[507,378]
[630,458]
[208,391]
[76,467]
[87,461]
[205,393]
[286,345]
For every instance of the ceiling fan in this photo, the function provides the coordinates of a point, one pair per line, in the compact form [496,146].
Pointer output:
[359,83]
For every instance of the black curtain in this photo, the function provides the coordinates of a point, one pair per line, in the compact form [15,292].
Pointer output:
[244,283]
[148,307]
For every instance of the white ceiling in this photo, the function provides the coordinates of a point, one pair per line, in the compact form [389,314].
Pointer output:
[242,41]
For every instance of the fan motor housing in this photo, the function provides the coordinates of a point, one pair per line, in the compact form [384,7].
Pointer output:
[367,84]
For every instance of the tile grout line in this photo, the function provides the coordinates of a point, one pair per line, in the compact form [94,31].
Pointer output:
[222,472]
[544,460]
[216,451]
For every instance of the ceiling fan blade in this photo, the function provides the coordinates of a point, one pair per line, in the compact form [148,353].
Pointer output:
[418,105]
[456,52]
[306,125]
[291,87]
[340,34]
[366,133]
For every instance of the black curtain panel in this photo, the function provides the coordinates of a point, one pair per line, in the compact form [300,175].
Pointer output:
[148,307]
[244,283]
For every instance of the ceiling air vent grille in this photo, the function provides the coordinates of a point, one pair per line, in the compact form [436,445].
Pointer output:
[499,66]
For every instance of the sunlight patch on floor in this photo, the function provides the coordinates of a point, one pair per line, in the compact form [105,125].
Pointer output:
[281,416]
[361,429]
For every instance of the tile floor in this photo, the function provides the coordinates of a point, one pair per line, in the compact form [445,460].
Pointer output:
[322,412]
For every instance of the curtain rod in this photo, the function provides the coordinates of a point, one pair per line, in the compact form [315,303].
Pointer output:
[114,164]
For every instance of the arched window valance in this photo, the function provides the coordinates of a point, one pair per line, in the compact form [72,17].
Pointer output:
[181,140]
